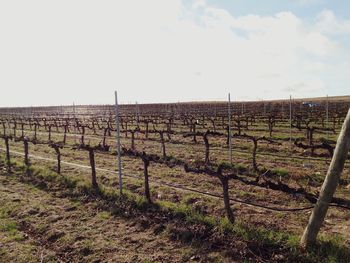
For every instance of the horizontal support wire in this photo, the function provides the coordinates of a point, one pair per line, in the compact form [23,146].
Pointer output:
[180,187]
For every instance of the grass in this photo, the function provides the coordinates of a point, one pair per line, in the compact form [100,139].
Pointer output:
[10,229]
[8,226]
[260,235]
[238,167]
[185,212]
[104,215]
[329,249]
[281,172]
[189,198]
[326,250]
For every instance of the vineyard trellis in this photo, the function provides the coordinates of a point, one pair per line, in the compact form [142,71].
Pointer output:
[172,125]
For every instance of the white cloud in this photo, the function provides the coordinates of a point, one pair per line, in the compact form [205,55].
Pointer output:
[328,23]
[159,51]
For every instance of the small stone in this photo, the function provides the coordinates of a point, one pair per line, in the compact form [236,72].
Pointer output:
[328,221]
[278,257]
[195,258]
[307,165]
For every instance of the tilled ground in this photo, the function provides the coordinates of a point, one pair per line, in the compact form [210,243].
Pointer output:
[44,221]
[41,226]
[337,219]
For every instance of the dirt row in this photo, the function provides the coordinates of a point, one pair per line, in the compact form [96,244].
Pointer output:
[41,226]
[293,222]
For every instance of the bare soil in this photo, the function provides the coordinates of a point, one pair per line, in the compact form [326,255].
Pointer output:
[42,226]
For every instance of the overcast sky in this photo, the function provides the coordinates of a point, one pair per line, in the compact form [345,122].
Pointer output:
[57,52]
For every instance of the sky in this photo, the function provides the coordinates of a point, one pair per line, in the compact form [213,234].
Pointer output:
[60,52]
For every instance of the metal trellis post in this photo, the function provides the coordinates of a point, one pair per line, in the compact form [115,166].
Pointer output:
[229,127]
[118,144]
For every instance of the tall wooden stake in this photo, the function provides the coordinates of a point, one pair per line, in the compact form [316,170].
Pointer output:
[329,185]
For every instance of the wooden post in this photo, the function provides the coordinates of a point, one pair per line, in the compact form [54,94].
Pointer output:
[57,147]
[14,129]
[225,188]
[65,134]
[229,213]
[206,143]
[161,134]
[93,169]
[35,131]
[4,128]
[132,140]
[22,130]
[255,147]
[26,158]
[8,160]
[58,160]
[82,139]
[329,185]
[8,157]
[145,171]
[194,132]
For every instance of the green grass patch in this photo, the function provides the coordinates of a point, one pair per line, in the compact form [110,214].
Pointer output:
[104,215]
[187,213]
[281,172]
[10,229]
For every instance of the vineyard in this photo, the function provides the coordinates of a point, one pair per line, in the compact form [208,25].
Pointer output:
[257,164]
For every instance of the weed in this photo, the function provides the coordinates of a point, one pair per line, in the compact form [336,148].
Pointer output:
[281,172]
[104,215]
